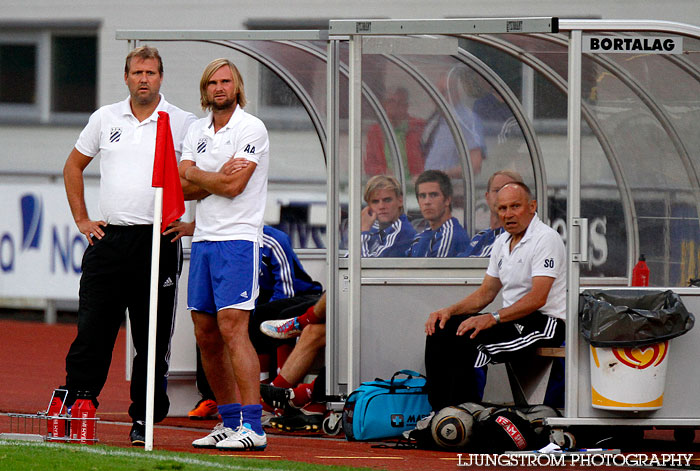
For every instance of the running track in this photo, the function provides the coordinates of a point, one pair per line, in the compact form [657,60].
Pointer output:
[32,365]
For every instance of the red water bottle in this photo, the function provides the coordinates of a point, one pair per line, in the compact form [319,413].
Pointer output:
[84,410]
[57,427]
[640,273]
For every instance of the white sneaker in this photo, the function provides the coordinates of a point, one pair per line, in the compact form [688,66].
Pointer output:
[218,434]
[281,329]
[243,438]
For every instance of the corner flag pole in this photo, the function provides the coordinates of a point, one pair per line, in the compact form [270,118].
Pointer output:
[168,205]
[153,317]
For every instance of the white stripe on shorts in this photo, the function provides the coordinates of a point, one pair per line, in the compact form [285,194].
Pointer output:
[486,351]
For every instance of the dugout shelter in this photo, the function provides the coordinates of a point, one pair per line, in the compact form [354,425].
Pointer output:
[600,117]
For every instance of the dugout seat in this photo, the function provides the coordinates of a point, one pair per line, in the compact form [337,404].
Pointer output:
[538,378]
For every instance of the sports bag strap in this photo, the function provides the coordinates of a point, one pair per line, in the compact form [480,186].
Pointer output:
[409,373]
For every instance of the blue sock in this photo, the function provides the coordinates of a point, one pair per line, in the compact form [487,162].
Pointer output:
[251,417]
[231,415]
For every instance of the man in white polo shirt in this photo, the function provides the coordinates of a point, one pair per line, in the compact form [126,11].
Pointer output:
[528,263]
[116,265]
[224,167]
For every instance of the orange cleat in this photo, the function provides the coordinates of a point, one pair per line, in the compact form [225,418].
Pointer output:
[204,410]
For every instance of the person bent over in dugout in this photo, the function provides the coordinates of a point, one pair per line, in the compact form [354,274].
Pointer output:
[286,290]
[299,403]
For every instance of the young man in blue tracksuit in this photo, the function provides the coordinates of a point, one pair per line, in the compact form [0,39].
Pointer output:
[444,236]
[386,231]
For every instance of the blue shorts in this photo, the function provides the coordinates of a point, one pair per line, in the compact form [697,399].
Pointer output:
[223,275]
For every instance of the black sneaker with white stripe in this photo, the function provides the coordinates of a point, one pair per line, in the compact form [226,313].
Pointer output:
[218,434]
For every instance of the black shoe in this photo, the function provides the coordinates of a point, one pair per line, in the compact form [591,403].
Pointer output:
[277,398]
[138,433]
[303,420]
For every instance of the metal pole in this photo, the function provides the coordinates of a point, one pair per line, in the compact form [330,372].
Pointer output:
[354,208]
[572,214]
[332,217]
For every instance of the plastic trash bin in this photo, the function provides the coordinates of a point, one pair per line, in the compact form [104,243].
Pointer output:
[629,333]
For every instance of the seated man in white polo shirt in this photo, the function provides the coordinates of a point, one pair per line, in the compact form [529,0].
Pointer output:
[528,263]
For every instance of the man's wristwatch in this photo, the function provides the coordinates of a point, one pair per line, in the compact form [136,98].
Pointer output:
[496,317]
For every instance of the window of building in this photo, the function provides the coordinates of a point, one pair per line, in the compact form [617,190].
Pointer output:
[74,74]
[47,75]
[17,77]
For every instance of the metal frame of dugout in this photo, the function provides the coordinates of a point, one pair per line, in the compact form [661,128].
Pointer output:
[377,306]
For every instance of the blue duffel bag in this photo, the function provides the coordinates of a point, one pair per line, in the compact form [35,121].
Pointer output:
[384,409]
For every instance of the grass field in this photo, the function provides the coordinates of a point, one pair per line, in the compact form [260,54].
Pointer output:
[40,456]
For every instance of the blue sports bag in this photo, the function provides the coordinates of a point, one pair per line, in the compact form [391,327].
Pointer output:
[384,409]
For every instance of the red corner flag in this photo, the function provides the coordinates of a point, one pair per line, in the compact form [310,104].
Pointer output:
[165,173]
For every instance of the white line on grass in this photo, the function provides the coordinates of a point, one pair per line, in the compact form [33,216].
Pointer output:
[133,454]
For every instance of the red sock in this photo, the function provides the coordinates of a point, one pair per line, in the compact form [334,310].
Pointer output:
[309,317]
[316,407]
[283,352]
[302,394]
[280,382]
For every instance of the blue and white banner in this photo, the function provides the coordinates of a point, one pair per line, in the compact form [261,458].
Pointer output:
[40,246]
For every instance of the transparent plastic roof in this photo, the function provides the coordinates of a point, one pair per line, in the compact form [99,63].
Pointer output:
[499,101]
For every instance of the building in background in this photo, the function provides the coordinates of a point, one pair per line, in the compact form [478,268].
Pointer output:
[61,60]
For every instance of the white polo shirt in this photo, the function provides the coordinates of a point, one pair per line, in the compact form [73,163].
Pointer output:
[221,217]
[126,148]
[540,252]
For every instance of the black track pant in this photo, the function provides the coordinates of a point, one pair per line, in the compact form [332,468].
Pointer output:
[116,277]
[450,359]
